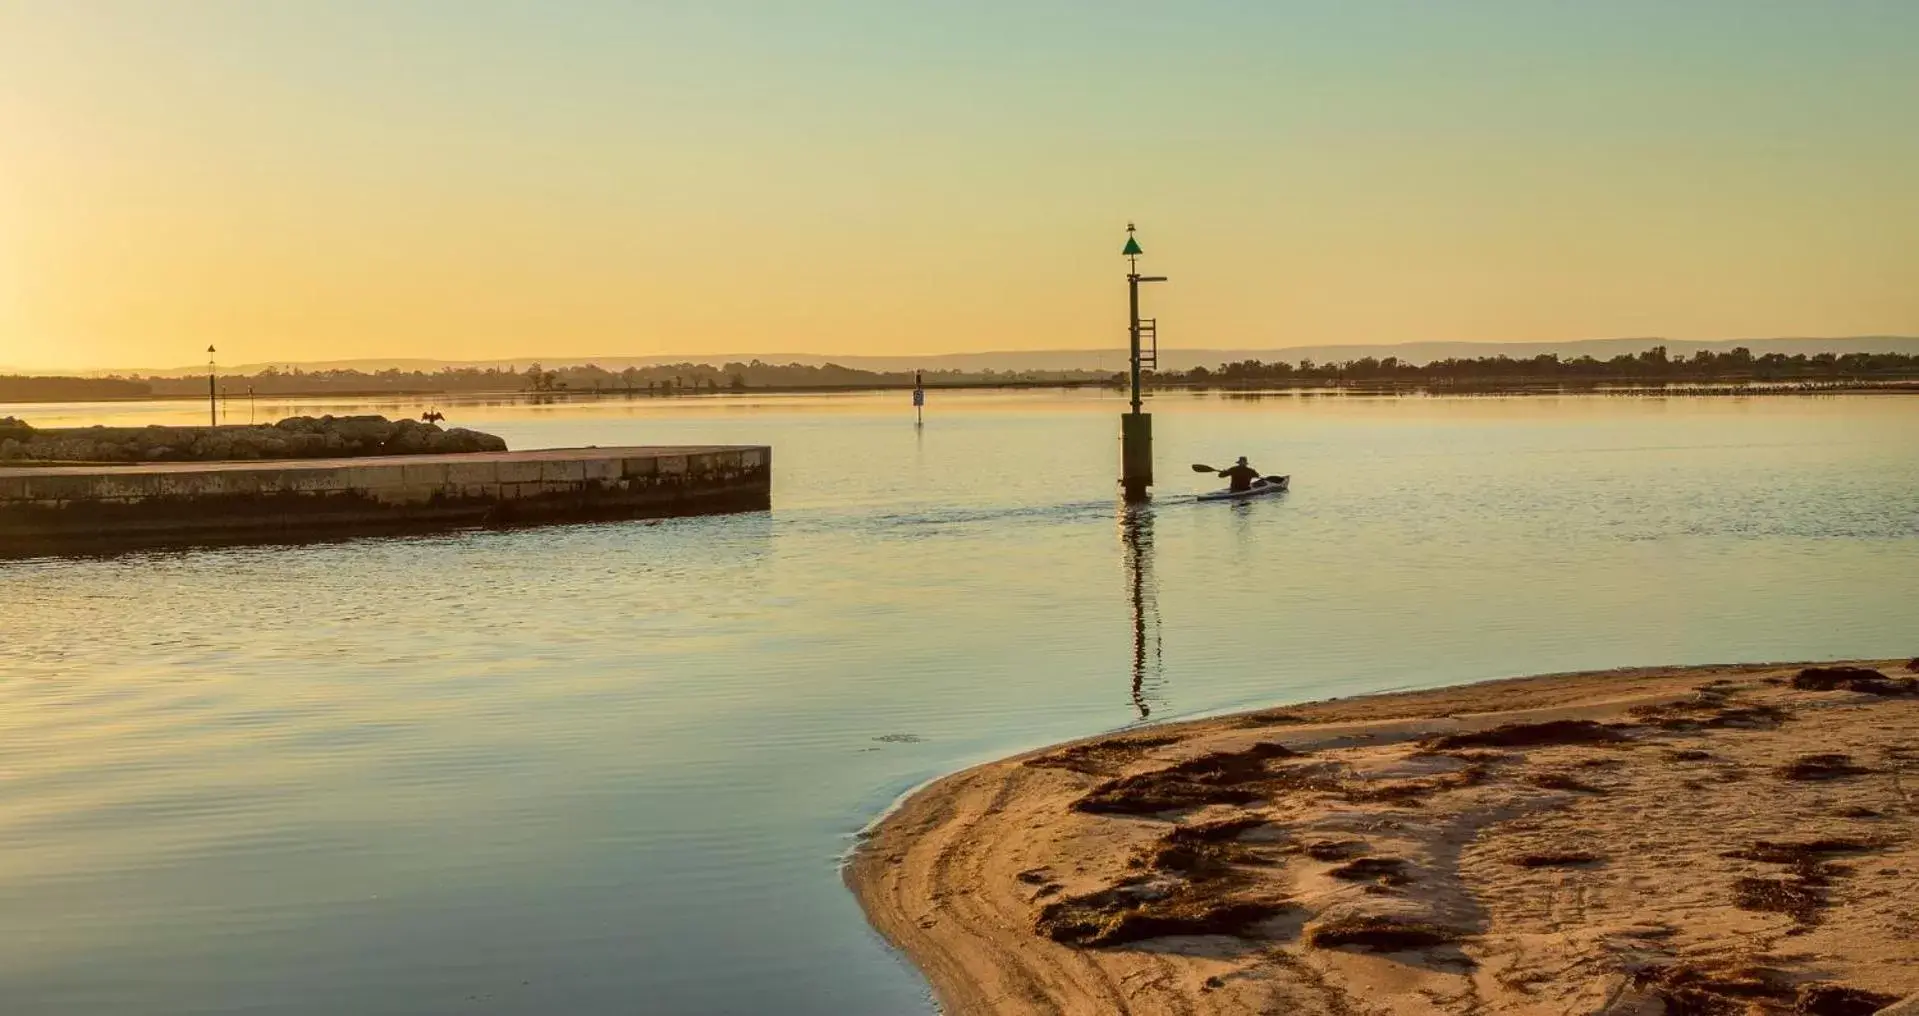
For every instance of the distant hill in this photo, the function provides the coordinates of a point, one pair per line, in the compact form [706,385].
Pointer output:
[1115,359]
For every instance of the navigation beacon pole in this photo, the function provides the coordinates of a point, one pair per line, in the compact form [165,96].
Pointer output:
[213,400]
[1136,428]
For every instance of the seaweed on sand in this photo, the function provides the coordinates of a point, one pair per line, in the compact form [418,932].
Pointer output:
[1706,712]
[1379,934]
[1220,777]
[1823,766]
[1800,892]
[1335,850]
[1270,719]
[1839,1000]
[1203,851]
[1691,991]
[1530,735]
[1411,793]
[1862,679]
[1381,870]
[1132,913]
[1563,781]
[1802,851]
[1556,859]
[1103,757]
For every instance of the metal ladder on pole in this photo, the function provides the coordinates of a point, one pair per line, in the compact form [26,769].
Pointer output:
[1149,343]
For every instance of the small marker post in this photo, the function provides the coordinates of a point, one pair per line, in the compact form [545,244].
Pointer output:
[919,400]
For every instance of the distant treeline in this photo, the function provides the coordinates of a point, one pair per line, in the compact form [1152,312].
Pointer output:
[20,388]
[661,379]
[1652,365]
[664,379]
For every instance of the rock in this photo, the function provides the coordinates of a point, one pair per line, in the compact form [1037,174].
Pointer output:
[299,437]
[477,441]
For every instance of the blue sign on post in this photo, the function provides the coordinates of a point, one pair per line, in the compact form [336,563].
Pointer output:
[919,397]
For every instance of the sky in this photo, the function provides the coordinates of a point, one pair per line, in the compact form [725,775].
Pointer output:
[473,179]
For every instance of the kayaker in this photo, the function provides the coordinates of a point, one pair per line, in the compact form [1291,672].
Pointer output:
[1241,475]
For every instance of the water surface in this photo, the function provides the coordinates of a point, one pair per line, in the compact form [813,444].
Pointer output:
[611,768]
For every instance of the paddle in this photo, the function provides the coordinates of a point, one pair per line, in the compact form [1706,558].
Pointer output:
[1197,468]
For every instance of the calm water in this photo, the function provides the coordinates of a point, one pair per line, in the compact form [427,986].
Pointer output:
[610,769]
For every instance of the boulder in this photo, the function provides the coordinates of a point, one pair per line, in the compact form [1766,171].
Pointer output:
[460,439]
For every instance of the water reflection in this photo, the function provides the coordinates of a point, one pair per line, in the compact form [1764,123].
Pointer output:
[1136,534]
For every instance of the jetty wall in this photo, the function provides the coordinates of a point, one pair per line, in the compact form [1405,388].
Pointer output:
[44,508]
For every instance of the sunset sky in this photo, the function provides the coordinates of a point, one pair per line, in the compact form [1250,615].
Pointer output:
[303,181]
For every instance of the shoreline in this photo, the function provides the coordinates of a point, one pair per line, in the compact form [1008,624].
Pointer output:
[1681,835]
[1619,386]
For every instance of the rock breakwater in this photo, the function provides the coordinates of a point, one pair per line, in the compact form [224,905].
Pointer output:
[299,437]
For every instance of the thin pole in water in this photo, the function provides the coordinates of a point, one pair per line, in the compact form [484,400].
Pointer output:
[213,401]
[919,400]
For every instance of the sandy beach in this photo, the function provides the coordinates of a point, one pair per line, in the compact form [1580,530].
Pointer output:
[1733,839]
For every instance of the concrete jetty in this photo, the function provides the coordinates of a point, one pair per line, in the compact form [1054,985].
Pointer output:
[46,508]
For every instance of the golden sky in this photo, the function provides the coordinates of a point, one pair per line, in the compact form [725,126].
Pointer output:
[466,180]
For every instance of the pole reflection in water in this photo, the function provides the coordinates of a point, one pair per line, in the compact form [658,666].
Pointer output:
[1136,533]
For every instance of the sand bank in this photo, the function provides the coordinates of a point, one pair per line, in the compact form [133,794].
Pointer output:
[1698,840]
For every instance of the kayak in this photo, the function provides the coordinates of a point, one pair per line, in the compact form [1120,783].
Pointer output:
[1260,488]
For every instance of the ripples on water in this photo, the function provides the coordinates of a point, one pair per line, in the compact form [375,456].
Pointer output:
[610,768]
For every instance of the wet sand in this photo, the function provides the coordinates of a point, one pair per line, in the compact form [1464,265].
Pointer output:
[1702,840]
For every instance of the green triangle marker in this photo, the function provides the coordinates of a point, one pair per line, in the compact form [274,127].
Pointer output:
[1132,248]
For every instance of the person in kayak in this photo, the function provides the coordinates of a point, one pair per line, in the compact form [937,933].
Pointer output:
[1241,476]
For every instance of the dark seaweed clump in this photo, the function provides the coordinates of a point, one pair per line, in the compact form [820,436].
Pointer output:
[1529,735]
[1202,852]
[1413,793]
[1100,758]
[1691,991]
[1824,766]
[1382,870]
[1801,851]
[1556,859]
[1801,891]
[1839,1000]
[1335,850]
[1220,777]
[1863,679]
[1379,934]
[1563,781]
[1126,914]
[1270,719]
